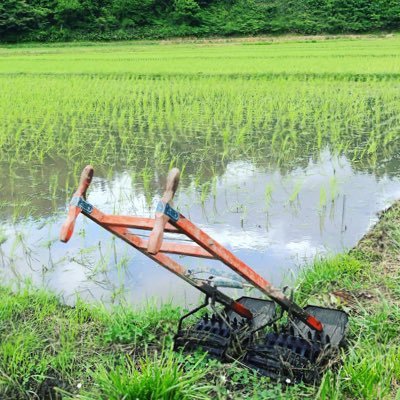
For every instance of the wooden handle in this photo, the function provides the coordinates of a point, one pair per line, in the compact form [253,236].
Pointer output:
[157,234]
[171,185]
[84,181]
[68,227]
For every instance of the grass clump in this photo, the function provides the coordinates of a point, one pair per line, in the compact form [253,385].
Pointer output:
[44,344]
[155,376]
[131,326]
[326,274]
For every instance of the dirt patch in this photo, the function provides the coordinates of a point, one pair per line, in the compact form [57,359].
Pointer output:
[382,240]
[50,388]
[381,247]
[269,38]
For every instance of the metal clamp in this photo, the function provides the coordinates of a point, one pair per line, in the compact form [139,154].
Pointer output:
[166,209]
[86,207]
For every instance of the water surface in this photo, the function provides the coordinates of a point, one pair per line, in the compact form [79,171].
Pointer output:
[277,223]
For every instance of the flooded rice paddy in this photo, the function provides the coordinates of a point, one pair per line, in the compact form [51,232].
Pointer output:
[287,150]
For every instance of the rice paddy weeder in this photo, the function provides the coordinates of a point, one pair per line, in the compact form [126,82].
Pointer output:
[243,329]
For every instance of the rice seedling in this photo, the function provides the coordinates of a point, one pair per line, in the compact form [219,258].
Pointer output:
[333,188]
[322,199]
[268,195]
[294,196]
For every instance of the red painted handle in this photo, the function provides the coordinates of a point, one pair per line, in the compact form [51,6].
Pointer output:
[157,234]
[84,181]
[68,227]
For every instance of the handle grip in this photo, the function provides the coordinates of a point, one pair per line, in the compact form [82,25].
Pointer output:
[171,185]
[84,182]
[157,234]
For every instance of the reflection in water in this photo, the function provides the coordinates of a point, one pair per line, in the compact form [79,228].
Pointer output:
[275,222]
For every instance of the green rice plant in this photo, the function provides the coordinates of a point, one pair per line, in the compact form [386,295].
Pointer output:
[294,196]
[268,195]
[333,187]
[322,199]
[3,237]
[205,191]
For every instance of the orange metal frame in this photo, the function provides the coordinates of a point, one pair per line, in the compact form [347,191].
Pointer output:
[155,248]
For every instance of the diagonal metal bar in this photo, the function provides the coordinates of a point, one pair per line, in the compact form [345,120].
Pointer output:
[237,265]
